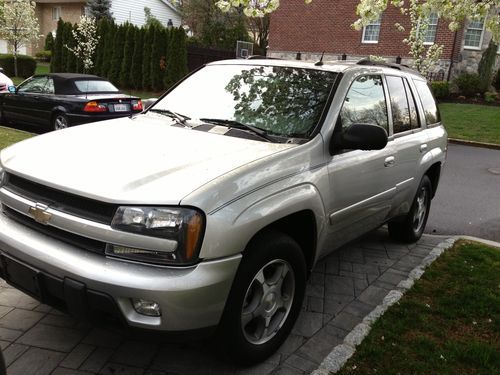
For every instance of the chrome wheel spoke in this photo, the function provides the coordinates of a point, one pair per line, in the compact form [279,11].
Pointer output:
[268,301]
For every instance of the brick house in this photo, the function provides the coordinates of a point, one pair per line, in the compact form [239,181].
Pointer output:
[48,13]
[325,25]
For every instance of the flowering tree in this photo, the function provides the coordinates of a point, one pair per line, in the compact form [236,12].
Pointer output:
[18,25]
[419,11]
[86,39]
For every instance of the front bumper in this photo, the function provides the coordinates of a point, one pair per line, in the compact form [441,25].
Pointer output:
[190,298]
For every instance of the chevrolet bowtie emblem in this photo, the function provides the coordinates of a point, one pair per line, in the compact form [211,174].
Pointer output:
[40,214]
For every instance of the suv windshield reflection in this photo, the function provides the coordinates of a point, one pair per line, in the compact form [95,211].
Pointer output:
[283,101]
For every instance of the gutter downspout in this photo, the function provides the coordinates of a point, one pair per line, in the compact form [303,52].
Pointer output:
[452,55]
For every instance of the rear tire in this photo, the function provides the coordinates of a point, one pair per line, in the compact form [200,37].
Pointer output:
[265,299]
[411,228]
[60,121]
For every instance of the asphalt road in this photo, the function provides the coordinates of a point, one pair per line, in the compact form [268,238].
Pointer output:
[468,197]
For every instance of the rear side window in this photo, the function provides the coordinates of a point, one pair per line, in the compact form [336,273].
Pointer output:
[365,103]
[430,108]
[95,86]
[399,104]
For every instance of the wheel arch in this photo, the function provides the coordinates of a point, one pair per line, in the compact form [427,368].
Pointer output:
[301,226]
[434,173]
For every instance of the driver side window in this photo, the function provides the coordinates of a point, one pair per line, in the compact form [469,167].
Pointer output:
[35,85]
[365,103]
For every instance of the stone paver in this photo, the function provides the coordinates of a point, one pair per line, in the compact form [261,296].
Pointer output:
[343,288]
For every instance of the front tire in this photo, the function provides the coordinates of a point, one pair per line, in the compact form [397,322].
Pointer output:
[60,121]
[265,299]
[411,228]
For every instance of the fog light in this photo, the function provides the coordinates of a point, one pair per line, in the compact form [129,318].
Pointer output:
[149,308]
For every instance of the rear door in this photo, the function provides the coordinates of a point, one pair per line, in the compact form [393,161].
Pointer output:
[409,141]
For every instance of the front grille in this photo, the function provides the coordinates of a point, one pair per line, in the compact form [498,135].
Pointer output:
[86,208]
[68,237]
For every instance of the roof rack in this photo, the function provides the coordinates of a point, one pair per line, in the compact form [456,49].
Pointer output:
[380,63]
[261,57]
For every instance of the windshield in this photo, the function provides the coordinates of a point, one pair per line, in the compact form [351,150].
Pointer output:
[95,86]
[280,100]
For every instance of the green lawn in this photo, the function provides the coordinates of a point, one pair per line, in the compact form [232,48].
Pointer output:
[9,136]
[448,323]
[472,122]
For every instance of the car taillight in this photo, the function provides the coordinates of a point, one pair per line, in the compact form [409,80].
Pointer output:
[95,107]
[137,105]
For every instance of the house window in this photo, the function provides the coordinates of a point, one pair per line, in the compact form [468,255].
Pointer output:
[430,34]
[371,31]
[56,13]
[474,34]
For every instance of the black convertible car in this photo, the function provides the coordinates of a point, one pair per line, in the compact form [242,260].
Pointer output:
[59,100]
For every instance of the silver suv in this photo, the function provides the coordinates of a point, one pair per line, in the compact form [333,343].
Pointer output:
[211,208]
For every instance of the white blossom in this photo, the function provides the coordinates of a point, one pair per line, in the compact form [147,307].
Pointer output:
[86,40]
[18,24]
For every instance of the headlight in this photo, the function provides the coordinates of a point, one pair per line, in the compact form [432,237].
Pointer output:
[183,226]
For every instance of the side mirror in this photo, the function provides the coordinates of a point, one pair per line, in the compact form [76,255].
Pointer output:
[360,137]
[12,89]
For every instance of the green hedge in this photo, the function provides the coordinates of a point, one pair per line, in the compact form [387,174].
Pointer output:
[26,65]
[440,89]
[468,84]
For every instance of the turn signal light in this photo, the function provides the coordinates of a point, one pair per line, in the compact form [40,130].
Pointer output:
[95,107]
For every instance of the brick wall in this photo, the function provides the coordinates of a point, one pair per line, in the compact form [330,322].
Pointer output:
[325,25]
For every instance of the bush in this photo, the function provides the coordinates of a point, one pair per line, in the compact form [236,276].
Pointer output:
[44,56]
[26,65]
[49,42]
[468,84]
[490,97]
[496,81]
[440,89]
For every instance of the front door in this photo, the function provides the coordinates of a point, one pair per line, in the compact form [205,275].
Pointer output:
[362,185]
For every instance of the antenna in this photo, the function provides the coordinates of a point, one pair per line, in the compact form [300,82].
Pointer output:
[320,62]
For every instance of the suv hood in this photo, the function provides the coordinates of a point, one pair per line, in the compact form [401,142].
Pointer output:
[140,160]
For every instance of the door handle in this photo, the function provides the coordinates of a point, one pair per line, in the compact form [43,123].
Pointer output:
[423,147]
[389,161]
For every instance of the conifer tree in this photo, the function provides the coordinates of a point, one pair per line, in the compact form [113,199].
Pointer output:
[49,42]
[108,51]
[136,69]
[100,9]
[66,53]
[116,59]
[102,31]
[128,51]
[55,62]
[157,52]
[71,60]
[146,59]
[177,57]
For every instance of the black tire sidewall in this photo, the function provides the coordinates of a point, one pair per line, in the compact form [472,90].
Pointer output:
[267,247]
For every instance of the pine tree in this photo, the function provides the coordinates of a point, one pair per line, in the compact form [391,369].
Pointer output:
[116,60]
[486,65]
[177,57]
[146,59]
[100,9]
[136,69]
[55,62]
[128,51]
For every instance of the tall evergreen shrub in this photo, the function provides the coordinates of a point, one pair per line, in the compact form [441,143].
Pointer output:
[128,52]
[177,58]
[136,68]
[55,62]
[116,60]
[146,59]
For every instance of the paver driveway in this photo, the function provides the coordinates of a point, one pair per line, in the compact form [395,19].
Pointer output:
[344,287]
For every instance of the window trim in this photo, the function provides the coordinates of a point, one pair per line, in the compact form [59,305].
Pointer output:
[474,48]
[378,23]
[58,11]
[430,24]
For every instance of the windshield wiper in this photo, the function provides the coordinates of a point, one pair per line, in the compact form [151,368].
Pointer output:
[167,112]
[238,125]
